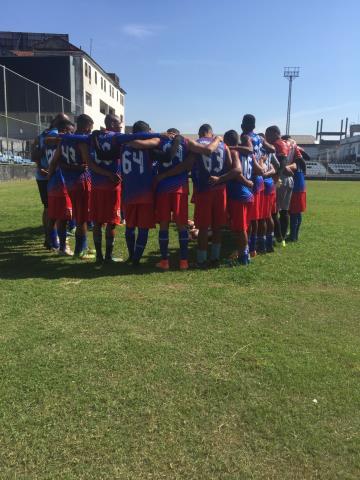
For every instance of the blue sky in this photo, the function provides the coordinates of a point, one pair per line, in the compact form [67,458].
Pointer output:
[191,62]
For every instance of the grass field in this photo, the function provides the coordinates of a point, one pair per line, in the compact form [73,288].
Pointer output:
[254,373]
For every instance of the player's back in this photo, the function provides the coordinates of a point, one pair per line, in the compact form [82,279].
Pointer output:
[109,161]
[236,189]
[70,156]
[137,174]
[207,166]
[176,183]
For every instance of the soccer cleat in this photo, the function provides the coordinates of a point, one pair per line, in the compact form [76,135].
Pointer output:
[66,253]
[201,265]
[215,263]
[90,251]
[270,249]
[47,245]
[244,259]
[253,254]
[184,265]
[84,255]
[163,264]
[112,260]
[71,232]
[283,243]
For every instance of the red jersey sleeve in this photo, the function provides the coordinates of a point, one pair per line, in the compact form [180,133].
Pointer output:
[297,152]
[281,148]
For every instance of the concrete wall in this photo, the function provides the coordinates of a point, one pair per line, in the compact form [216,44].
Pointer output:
[16,172]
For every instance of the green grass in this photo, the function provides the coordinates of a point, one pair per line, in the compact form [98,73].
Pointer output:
[106,373]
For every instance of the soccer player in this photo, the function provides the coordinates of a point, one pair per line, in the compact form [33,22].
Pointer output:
[286,152]
[270,164]
[239,195]
[73,162]
[105,197]
[171,198]
[138,198]
[210,201]
[298,198]
[39,156]
[258,224]
[60,209]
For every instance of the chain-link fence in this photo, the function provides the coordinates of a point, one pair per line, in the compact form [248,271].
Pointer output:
[26,109]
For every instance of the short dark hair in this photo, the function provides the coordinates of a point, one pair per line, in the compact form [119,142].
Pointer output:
[286,137]
[141,127]
[173,130]
[231,138]
[248,123]
[110,119]
[60,117]
[205,129]
[63,124]
[83,121]
[273,129]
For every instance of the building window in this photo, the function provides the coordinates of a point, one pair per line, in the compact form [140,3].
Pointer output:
[88,99]
[121,99]
[104,85]
[112,111]
[89,74]
[103,107]
[86,69]
[117,95]
[95,77]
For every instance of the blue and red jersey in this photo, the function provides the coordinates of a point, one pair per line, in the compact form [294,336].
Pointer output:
[208,166]
[268,181]
[112,165]
[46,156]
[177,183]
[257,144]
[56,184]
[236,190]
[137,175]
[70,156]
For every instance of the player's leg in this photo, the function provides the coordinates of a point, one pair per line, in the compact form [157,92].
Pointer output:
[110,241]
[299,221]
[145,219]
[203,220]
[180,209]
[97,237]
[219,219]
[269,234]
[163,217]
[202,246]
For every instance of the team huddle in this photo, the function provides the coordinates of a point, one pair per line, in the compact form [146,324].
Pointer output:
[252,183]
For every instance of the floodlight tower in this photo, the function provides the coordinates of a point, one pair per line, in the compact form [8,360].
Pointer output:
[290,73]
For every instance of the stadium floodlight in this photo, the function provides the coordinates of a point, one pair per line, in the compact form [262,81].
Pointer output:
[290,73]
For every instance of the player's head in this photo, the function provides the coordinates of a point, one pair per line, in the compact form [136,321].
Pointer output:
[261,135]
[231,138]
[288,139]
[175,131]
[272,133]
[206,131]
[60,117]
[84,123]
[65,126]
[112,123]
[248,123]
[141,127]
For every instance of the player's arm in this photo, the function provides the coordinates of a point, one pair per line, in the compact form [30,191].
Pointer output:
[203,149]
[246,146]
[36,154]
[257,168]
[54,162]
[184,166]
[268,147]
[102,171]
[145,144]
[234,165]
[121,138]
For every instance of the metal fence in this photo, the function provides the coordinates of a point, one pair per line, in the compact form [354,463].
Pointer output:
[26,109]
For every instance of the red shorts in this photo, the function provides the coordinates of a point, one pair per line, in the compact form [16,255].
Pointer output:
[139,215]
[239,215]
[255,206]
[59,207]
[168,203]
[105,205]
[80,200]
[266,206]
[298,202]
[273,202]
[210,208]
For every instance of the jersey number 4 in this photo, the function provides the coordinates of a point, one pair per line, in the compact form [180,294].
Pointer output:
[130,158]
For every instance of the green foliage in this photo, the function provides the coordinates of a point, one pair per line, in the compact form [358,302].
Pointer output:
[235,373]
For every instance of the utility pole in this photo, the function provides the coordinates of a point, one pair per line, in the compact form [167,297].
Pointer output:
[290,73]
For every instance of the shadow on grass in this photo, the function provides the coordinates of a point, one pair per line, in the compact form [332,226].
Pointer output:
[22,256]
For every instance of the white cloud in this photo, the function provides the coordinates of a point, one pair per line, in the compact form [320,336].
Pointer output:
[141,31]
